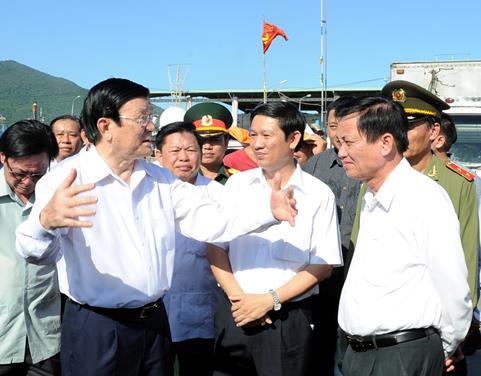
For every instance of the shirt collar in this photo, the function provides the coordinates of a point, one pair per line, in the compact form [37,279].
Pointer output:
[296,180]
[333,157]
[388,189]
[102,169]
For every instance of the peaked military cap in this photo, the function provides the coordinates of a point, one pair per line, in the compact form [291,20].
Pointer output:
[417,102]
[210,119]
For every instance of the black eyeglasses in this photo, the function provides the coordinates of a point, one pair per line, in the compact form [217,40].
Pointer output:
[24,175]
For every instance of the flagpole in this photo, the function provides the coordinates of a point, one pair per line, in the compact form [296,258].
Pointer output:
[264,73]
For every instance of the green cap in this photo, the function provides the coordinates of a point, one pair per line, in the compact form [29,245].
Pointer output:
[416,101]
[210,119]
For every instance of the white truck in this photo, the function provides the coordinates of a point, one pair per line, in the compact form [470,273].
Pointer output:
[458,83]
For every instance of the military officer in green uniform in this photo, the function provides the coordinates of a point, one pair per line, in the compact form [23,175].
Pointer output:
[212,121]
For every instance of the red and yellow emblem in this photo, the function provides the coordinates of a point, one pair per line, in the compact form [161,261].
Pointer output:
[399,95]
[206,121]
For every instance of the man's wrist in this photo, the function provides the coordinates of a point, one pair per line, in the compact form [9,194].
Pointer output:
[276,301]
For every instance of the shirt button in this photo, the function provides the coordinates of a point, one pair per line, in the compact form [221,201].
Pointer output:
[344,188]
[342,206]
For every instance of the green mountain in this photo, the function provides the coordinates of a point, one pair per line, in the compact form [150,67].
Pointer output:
[20,86]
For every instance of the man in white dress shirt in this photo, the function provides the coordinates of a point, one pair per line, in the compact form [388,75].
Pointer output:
[405,305]
[192,298]
[112,216]
[263,322]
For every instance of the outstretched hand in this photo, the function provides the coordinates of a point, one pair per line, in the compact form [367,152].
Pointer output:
[283,204]
[65,206]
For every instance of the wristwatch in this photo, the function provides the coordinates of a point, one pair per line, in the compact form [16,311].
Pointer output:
[276,301]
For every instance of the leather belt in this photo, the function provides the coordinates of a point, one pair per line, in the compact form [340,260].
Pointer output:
[135,314]
[362,344]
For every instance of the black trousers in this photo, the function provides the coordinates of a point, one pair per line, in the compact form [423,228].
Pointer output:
[282,348]
[96,344]
[195,356]
[324,316]
[47,367]
[421,357]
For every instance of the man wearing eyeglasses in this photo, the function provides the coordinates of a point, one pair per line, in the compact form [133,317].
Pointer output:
[29,295]
[113,216]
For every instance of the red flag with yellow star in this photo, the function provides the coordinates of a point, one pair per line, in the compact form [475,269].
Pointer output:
[269,33]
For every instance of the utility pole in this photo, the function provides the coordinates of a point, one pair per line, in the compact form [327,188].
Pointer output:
[323,61]
[35,110]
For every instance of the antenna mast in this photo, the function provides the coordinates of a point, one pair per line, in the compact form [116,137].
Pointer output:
[176,86]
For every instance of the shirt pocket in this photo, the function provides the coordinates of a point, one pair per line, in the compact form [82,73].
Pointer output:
[49,315]
[197,309]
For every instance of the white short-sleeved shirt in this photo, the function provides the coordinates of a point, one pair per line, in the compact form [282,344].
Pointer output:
[268,258]
[408,269]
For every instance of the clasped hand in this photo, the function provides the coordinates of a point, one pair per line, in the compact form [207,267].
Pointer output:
[251,308]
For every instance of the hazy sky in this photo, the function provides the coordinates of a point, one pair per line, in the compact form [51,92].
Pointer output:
[220,41]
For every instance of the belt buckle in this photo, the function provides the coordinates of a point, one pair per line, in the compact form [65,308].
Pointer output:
[358,344]
[147,311]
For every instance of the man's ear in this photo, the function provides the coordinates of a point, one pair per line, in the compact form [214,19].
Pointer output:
[158,156]
[226,140]
[388,143]
[438,142]
[434,131]
[294,139]
[104,126]
[2,157]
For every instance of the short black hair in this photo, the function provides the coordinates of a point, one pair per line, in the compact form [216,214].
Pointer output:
[65,117]
[333,106]
[448,130]
[28,137]
[377,116]
[176,127]
[105,100]
[289,117]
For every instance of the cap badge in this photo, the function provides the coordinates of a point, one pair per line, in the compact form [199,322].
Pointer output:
[399,95]
[207,121]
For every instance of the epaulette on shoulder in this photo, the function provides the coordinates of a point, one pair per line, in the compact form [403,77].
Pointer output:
[468,175]
[232,171]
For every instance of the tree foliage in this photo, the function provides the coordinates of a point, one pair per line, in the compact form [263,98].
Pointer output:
[21,85]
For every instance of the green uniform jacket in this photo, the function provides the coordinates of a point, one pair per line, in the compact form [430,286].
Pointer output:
[222,175]
[463,196]
[462,193]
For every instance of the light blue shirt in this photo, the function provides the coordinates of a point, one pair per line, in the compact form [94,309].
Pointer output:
[29,295]
[192,300]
